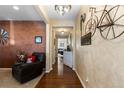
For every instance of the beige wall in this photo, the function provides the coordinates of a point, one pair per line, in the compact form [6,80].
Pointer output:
[101,63]
[41,10]
[62,23]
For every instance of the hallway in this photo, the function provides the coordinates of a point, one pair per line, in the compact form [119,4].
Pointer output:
[60,77]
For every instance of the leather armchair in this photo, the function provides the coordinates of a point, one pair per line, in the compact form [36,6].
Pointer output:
[24,72]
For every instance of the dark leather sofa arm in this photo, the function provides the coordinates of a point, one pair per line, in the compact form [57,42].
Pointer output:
[29,65]
[17,64]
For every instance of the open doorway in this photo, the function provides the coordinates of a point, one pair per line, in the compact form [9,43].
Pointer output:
[62,47]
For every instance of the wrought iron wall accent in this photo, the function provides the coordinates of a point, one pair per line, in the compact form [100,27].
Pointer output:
[109,24]
[82,20]
[3,36]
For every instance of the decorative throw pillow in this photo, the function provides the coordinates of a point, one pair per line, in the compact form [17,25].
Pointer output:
[40,58]
[31,58]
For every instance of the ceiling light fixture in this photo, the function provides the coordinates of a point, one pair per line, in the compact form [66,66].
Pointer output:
[62,9]
[62,32]
[15,7]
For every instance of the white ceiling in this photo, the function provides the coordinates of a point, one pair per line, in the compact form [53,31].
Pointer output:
[66,30]
[71,15]
[25,12]
[28,12]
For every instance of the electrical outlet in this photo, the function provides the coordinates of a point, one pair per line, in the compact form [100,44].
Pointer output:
[87,80]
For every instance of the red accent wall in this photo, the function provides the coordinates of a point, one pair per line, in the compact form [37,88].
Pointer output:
[21,37]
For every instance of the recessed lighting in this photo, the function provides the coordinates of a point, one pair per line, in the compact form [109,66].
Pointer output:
[15,7]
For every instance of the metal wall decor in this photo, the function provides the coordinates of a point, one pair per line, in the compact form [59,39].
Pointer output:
[3,36]
[82,20]
[85,38]
[92,22]
[109,24]
[83,17]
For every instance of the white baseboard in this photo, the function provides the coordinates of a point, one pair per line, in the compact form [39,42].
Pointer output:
[39,79]
[49,70]
[73,69]
[80,79]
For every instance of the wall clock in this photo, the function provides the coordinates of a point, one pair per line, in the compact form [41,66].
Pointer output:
[3,36]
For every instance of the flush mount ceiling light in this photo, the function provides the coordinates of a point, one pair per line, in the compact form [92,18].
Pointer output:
[15,7]
[62,32]
[62,9]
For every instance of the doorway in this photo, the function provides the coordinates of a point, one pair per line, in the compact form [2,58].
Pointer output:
[62,47]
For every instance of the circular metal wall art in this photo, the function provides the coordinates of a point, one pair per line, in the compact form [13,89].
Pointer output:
[3,36]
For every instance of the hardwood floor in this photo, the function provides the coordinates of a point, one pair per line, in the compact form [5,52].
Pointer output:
[60,77]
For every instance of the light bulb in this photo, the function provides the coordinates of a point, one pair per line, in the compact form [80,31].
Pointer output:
[15,7]
[62,32]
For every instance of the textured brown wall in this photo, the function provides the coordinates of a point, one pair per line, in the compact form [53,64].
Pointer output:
[22,34]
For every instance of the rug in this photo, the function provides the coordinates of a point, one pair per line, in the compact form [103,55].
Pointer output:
[7,81]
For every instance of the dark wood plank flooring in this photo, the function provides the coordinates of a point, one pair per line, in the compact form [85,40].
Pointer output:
[60,77]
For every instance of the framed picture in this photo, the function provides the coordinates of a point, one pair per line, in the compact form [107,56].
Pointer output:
[38,39]
[86,39]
